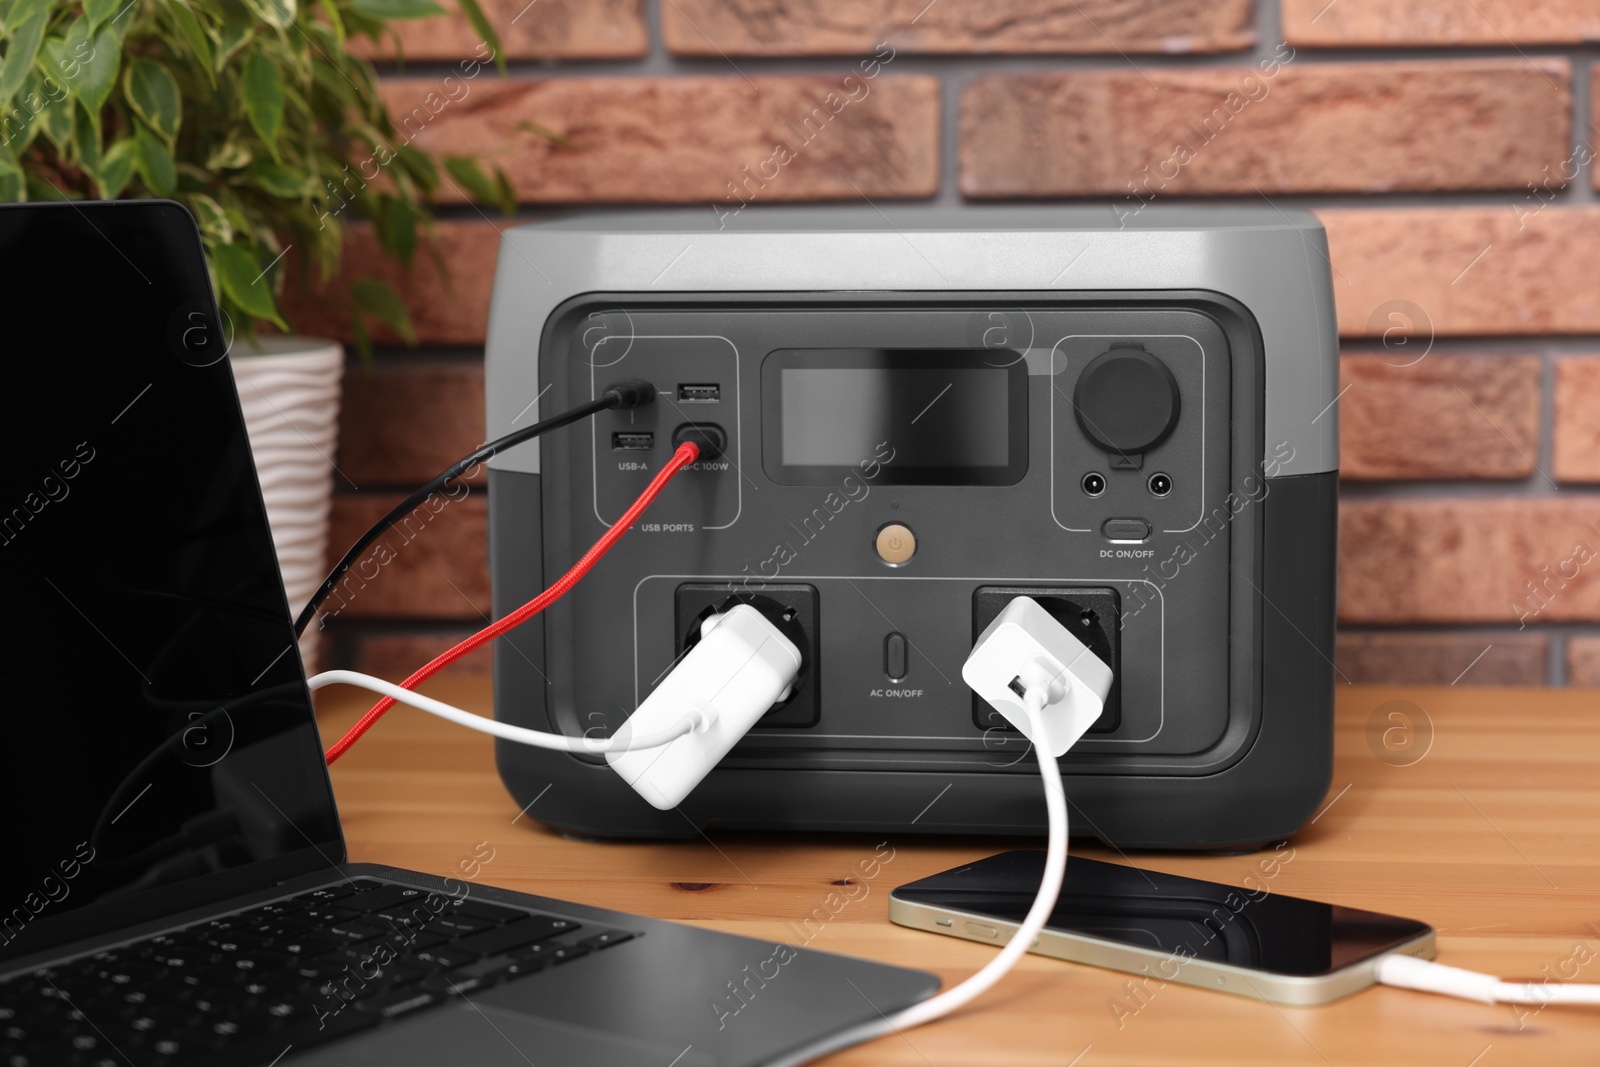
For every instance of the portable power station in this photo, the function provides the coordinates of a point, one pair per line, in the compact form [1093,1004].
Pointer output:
[923,413]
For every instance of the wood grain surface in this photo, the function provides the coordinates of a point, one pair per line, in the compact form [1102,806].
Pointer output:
[1492,836]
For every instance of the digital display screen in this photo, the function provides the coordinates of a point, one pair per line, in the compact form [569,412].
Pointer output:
[935,417]
[1251,926]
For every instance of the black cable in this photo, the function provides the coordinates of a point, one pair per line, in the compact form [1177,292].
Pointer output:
[626,394]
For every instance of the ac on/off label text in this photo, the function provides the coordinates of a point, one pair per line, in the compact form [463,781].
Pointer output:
[667,527]
[898,693]
[1126,553]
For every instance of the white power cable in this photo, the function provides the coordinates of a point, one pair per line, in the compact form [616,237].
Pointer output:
[619,742]
[1055,869]
[1409,972]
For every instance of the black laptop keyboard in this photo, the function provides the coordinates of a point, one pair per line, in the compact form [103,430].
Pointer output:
[247,987]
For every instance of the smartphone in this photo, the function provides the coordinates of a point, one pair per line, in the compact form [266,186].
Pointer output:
[1250,941]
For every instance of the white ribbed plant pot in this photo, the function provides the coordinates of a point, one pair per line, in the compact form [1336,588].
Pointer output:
[289,389]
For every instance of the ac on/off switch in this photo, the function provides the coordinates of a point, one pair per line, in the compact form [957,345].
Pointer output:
[894,656]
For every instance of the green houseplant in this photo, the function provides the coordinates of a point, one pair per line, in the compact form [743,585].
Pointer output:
[255,114]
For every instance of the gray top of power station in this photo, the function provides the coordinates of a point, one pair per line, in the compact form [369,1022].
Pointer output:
[1274,262]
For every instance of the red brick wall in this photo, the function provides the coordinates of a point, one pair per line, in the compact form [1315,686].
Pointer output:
[1445,143]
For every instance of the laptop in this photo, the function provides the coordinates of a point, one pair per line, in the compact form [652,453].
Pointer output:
[173,884]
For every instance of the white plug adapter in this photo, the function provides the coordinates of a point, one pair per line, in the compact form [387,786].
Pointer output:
[741,666]
[1023,649]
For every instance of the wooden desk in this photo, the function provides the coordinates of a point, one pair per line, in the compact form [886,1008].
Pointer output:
[1493,837]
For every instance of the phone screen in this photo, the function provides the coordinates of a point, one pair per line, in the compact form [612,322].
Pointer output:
[1185,918]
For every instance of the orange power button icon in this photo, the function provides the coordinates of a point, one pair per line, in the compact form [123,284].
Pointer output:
[896,544]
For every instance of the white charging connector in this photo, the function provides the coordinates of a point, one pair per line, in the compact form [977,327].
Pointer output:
[1047,683]
[741,666]
[1024,650]
[1409,972]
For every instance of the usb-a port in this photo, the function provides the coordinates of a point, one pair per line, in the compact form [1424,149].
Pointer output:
[632,442]
[699,394]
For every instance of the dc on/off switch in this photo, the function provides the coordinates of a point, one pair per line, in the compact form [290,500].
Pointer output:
[1125,531]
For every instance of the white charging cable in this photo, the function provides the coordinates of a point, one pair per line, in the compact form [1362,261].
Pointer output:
[1055,869]
[692,720]
[1409,972]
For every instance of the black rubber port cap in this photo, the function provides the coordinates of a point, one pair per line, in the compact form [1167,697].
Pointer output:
[1126,401]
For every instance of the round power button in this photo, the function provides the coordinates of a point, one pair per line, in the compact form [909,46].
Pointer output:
[896,544]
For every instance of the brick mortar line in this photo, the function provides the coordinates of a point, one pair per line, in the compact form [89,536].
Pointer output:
[1547,411]
[1582,115]
[670,65]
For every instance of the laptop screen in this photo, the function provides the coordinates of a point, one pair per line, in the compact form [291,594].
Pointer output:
[159,748]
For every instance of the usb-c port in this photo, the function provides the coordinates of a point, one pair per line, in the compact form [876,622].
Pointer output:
[632,442]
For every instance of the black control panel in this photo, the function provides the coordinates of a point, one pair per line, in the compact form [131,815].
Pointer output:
[886,476]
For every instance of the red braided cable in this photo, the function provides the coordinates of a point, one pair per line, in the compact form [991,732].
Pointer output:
[686,454]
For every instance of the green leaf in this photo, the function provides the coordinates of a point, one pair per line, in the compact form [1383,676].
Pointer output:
[394,10]
[244,282]
[485,31]
[20,54]
[277,13]
[42,188]
[212,218]
[23,10]
[237,28]
[397,228]
[8,165]
[508,195]
[154,96]
[332,81]
[97,70]
[418,165]
[284,182]
[194,36]
[57,65]
[13,188]
[383,304]
[192,178]
[86,140]
[97,11]
[22,125]
[335,20]
[116,168]
[471,179]
[154,163]
[263,98]
[231,154]
[56,122]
